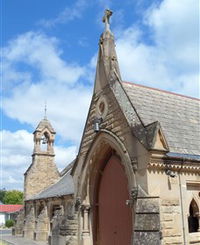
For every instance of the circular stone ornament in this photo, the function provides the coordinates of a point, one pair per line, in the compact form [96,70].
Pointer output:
[102,107]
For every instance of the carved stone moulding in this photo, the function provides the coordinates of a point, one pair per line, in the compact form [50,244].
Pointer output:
[175,166]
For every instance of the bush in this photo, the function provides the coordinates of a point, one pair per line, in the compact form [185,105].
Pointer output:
[9,223]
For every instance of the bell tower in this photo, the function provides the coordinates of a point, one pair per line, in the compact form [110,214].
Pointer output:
[44,136]
[43,171]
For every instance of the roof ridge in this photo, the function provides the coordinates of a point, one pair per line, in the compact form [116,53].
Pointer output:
[161,90]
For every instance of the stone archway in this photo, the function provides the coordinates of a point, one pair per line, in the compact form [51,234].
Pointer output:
[105,145]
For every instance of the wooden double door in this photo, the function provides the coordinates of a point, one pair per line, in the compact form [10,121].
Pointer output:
[114,216]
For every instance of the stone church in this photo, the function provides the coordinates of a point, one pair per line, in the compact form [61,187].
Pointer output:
[136,178]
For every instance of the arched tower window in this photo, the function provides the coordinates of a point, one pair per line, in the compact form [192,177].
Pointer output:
[193,219]
[44,142]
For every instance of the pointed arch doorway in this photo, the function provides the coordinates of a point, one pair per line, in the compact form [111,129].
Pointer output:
[113,216]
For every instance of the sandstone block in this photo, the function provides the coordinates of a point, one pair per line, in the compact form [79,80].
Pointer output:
[147,206]
[148,222]
[170,202]
[167,217]
[144,238]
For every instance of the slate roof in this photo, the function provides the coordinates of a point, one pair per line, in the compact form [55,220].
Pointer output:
[64,186]
[178,115]
[44,123]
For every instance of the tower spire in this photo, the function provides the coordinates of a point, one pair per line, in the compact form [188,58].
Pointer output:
[107,69]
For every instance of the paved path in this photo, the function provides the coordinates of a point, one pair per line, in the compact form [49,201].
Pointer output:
[17,240]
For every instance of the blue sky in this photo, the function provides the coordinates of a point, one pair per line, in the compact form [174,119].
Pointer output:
[49,50]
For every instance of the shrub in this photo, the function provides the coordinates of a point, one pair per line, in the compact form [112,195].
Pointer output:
[9,223]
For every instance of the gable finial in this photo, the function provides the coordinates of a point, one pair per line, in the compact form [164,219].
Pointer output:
[45,110]
[106,19]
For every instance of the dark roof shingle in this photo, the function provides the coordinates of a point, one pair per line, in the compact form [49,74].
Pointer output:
[178,115]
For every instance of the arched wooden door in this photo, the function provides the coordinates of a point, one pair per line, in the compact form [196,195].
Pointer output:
[114,216]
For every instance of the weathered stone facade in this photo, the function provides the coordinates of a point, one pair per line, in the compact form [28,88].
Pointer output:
[43,171]
[19,223]
[44,197]
[42,174]
[136,125]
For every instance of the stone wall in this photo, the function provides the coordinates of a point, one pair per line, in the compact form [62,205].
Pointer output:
[171,222]
[42,173]
[29,225]
[176,193]
[45,219]
[146,220]
[68,230]
[115,122]
[19,223]
[42,226]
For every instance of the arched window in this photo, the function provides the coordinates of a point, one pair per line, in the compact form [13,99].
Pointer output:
[193,218]
[44,142]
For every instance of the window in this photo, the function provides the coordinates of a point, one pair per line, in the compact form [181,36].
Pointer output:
[193,218]
[44,142]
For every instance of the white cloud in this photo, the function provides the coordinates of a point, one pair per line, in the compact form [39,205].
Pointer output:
[16,151]
[38,51]
[67,15]
[171,61]
[64,155]
[49,78]
[35,72]
[21,141]
[176,30]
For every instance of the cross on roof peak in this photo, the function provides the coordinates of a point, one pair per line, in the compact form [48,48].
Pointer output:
[106,19]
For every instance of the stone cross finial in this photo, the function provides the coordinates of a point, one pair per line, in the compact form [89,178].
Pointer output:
[106,19]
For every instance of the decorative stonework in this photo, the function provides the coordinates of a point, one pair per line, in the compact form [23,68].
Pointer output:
[175,165]
[101,107]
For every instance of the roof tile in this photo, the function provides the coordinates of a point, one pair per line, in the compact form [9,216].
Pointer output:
[178,115]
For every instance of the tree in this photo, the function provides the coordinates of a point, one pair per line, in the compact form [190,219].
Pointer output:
[2,194]
[9,223]
[13,197]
